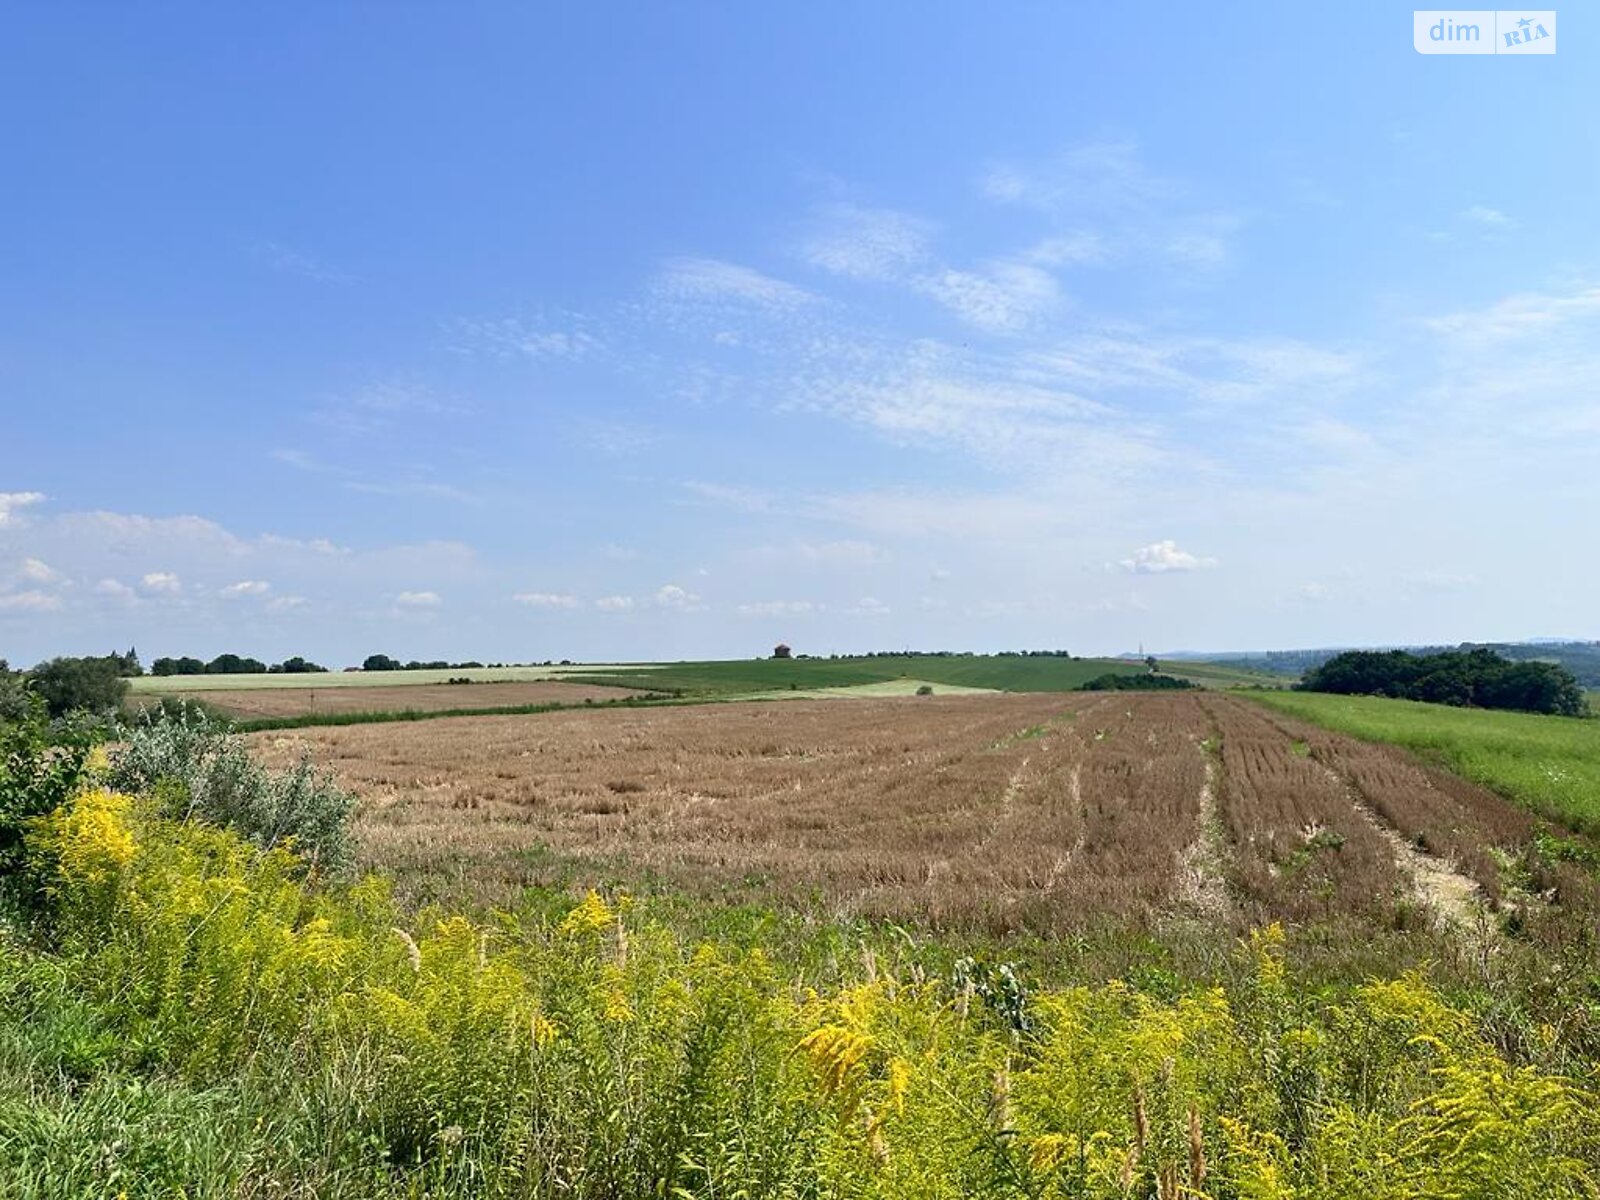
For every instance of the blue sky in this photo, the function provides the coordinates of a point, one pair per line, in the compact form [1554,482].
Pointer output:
[638,331]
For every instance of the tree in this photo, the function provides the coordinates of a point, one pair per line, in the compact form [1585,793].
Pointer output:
[299,666]
[1150,661]
[69,684]
[782,651]
[15,700]
[1477,678]
[177,666]
[380,662]
[233,664]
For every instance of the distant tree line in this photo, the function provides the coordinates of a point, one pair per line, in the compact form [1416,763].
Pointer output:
[234,664]
[1477,678]
[382,662]
[1150,682]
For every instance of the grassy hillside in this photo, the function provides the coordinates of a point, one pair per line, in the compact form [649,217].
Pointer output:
[1549,764]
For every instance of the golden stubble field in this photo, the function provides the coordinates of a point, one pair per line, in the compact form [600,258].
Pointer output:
[252,703]
[992,813]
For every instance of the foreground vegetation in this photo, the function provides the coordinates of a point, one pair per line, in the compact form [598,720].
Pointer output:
[1550,765]
[204,1018]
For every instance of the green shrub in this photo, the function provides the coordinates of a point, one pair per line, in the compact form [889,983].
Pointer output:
[42,762]
[199,770]
[69,684]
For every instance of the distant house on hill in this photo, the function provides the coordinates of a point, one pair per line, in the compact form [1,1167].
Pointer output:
[782,651]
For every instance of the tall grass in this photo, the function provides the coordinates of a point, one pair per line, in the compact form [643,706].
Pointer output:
[210,1021]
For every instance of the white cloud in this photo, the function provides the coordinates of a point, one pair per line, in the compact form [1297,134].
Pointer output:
[35,570]
[29,601]
[161,583]
[12,504]
[546,599]
[418,600]
[286,603]
[870,606]
[246,587]
[672,596]
[779,608]
[614,604]
[712,279]
[1314,593]
[865,243]
[1159,557]
[114,588]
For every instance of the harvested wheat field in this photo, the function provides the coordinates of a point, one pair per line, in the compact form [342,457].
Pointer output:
[250,704]
[995,813]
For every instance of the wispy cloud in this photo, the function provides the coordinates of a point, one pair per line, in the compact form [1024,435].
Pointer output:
[1523,314]
[289,261]
[246,587]
[1000,297]
[867,243]
[426,489]
[1127,208]
[1488,218]
[846,552]
[713,279]
[546,599]
[779,608]
[419,600]
[523,338]
[31,601]
[614,604]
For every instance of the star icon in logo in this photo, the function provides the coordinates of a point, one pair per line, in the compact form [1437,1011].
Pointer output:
[1525,22]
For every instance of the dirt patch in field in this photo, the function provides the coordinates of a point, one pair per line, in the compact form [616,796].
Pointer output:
[255,703]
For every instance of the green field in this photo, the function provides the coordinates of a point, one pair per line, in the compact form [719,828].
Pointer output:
[1548,764]
[1000,673]
[735,676]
